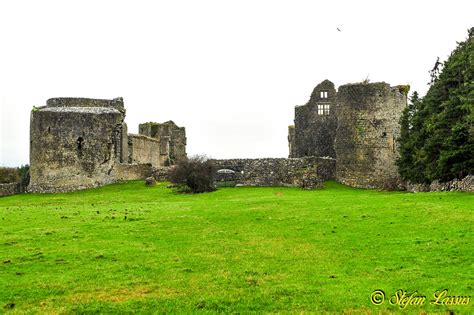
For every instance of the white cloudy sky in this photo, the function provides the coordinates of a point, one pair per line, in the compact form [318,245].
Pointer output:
[231,72]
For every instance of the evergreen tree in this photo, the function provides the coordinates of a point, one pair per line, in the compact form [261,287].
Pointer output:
[437,133]
[410,163]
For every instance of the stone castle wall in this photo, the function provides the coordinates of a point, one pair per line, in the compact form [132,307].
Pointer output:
[122,171]
[143,149]
[367,129]
[278,171]
[315,123]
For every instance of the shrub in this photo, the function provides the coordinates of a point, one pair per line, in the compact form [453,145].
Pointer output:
[24,172]
[195,174]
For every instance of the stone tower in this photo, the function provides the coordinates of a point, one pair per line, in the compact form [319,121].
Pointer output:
[75,143]
[315,124]
[367,129]
[358,126]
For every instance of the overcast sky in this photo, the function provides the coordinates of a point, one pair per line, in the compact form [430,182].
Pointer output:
[231,72]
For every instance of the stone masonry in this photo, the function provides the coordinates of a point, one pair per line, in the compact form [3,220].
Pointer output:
[171,137]
[279,171]
[357,125]
[315,123]
[78,143]
[367,129]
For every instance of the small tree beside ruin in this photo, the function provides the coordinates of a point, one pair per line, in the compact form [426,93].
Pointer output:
[194,175]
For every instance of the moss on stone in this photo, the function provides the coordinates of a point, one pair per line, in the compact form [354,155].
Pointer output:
[404,89]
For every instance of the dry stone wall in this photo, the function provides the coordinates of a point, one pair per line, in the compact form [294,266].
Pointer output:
[280,171]
[465,185]
[9,189]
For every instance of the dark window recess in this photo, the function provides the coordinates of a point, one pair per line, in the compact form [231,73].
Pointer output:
[80,144]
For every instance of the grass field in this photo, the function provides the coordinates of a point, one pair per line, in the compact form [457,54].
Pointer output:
[127,247]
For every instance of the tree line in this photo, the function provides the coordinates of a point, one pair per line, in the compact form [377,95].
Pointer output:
[437,131]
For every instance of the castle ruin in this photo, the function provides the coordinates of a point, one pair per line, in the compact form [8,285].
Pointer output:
[357,126]
[347,134]
[78,143]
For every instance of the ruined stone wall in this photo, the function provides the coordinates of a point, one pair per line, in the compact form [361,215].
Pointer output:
[367,128]
[315,123]
[143,149]
[9,189]
[122,171]
[162,173]
[278,171]
[172,138]
[73,148]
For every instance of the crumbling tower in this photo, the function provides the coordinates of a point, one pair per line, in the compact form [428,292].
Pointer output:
[368,126]
[75,143]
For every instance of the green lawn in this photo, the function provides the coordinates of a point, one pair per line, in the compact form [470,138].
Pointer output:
[127,247]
